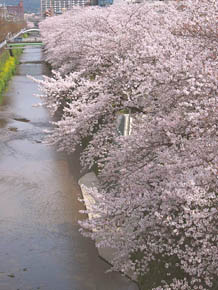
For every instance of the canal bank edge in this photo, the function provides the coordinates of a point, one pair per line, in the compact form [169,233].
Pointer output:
[8,65]
[87,181]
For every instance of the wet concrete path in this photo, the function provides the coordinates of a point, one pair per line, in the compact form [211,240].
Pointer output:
[40,246]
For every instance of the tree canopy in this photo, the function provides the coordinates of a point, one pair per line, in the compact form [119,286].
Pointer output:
[157,197]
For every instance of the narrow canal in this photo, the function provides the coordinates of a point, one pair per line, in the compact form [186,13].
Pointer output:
[40,246]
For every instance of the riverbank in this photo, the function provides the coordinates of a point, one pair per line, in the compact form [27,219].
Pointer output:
[8,65]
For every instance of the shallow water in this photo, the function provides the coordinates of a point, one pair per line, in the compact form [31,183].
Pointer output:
[40,246]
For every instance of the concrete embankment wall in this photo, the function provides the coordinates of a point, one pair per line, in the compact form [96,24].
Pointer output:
[87,182]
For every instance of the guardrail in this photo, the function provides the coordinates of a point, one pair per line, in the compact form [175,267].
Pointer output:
[17,34]
[2,44]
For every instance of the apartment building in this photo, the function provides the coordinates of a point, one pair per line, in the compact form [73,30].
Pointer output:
[12,12]
[3,11]
[16,11]
[59,6]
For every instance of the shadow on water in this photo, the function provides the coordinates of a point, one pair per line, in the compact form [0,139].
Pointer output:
[2,123]
[22,120]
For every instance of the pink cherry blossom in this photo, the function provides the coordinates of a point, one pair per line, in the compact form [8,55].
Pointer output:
[157,198]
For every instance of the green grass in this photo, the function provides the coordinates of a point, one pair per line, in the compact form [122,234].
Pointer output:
[25,35]
[7,68]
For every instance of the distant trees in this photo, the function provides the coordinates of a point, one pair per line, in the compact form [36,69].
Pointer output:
[9,26]
[157,198]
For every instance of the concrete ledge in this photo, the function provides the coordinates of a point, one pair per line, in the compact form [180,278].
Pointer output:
[90,180]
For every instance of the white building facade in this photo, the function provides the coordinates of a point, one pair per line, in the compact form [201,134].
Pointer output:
[59,6]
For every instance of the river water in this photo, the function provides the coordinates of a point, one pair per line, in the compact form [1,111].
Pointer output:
[40,246]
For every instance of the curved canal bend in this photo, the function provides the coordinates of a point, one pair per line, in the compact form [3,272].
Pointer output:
[40,246]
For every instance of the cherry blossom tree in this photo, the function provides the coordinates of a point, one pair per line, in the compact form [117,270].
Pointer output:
[157,198]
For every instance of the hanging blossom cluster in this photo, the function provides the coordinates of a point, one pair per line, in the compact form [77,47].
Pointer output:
[157,199]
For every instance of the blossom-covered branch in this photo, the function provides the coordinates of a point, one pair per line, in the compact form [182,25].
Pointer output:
[158,186]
